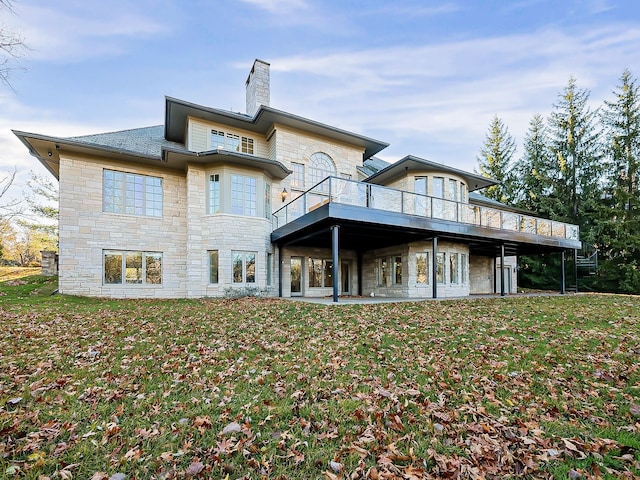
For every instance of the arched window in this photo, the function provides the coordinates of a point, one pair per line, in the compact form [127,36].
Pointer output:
[321,166]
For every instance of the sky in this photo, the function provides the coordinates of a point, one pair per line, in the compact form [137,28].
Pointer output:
[425,76]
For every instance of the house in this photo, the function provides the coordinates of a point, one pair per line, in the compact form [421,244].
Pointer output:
[269,202]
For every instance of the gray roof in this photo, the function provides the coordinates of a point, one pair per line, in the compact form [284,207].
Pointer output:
[372,165]
[147,141]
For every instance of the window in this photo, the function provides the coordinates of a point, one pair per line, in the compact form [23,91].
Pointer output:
[320,273]
[214,193]
[463,268]
[213,266]
[243,195]
[422,268]
[131,194]
[297,179]
[267,200]
[453,267]
[231,142]
[453,190]
[397,270]
[463,192]
[438,187]
[346,176]
[321,166]
[244,267]
[132,268]
[420,185]
[247,145]
[269,267]
[440,268]
[382,271]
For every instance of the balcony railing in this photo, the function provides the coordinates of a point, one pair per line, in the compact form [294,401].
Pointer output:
[351,192]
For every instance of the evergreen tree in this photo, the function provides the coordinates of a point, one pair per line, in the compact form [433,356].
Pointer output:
[618,227]
[534,179]
[534,173]
[576,147]
[495,161]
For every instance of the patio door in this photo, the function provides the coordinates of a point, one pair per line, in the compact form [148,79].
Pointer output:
[296,276]
[345,280]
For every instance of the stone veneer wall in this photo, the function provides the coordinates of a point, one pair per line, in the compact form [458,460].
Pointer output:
[86,231]
[49,263]
[484,280]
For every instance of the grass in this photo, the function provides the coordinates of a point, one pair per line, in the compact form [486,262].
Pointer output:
[522,387]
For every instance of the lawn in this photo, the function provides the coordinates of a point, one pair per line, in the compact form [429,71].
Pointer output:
[527,387]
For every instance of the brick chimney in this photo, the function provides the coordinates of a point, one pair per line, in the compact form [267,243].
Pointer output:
[258,86]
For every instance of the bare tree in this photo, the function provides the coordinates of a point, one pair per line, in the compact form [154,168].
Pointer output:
[11,45]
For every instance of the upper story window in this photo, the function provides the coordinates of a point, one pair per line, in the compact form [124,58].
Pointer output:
[297,178]
[321,166]
[453,190]
[420,185]
[438,187]
[214,193]
[243,195]
[131,194]
[463,192]
[231,142]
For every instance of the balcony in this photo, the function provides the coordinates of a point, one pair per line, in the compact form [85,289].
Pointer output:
[492,222]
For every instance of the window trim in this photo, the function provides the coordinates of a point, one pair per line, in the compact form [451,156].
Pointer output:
[210,254]
[126,196]
[244,255]
[426,266]
[144,274]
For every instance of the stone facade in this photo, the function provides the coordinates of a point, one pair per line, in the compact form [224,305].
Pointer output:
[49,263]
[258,87]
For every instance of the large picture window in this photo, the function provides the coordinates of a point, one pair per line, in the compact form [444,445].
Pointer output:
[397,270]
[422,268]
[132,268]
[213,266]
[231,142]
[321,166]
[440,268]
[131,194]
[243,267]
[453,267]
[320,273]
[243,195]
[214,193]
[297,178]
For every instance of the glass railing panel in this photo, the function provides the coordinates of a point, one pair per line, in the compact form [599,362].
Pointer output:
[544,227]
[558,229]
[316,200]
[528,224]
[573,232]
[450,210]
[490,218]
[510,221]
[437,208]
[295,209]
[417,204]
[469,214]
[384,198]
[349,192]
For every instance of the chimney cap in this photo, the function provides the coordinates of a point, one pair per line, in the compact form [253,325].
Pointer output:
[253,68]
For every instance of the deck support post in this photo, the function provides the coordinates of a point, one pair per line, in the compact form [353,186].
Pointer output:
[359,269]
[575,266]
[434,273]
[335,230]
[280,267]
[563,289]
[502,294]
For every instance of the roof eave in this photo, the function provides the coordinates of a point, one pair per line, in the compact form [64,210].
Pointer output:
[177,157]
[177,111]
[397,169]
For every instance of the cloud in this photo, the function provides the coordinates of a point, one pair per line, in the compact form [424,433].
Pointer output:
[78,31]
[446,93]
[279,7]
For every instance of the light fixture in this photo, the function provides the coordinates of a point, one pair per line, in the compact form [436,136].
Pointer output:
[49,153]
[284,195]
